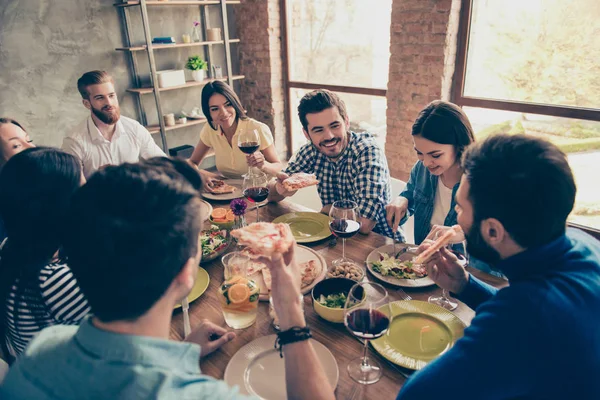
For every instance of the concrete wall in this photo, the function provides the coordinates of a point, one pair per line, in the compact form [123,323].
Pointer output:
[46,45]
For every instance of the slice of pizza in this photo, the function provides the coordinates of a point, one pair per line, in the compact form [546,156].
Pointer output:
[265,238]
[220,187]
[253,266]
[309,271]
[299,180]
[441,241]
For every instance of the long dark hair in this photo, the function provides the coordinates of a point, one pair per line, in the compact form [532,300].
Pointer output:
[36,185]
[223,89]
[445,123]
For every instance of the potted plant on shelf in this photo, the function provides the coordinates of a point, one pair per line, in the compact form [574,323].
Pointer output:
[197,65]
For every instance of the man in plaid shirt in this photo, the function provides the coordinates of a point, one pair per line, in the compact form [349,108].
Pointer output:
[348,165]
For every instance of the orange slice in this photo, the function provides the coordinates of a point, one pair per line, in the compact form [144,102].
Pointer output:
[229,216]
[239,293]
[219,213]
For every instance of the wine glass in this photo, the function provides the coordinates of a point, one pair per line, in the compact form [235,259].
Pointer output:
[366,315]
[445,300]
[344,224]
[255,188]
[249,142]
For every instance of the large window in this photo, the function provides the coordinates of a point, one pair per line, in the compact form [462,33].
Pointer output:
[344,46]
[533,67]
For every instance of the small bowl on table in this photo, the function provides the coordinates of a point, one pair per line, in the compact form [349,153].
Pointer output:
[346,270]
[325,288]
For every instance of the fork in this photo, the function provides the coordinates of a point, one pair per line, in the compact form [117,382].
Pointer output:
[185,306]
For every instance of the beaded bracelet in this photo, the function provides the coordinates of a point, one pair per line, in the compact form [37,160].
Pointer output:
[292,335]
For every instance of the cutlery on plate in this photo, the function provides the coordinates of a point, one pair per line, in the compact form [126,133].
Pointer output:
[185,306]
[407,249]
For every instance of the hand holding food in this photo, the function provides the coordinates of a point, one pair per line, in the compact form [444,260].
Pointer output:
[441,241]
[445,269]
[281,190]
[299,180]
[438,230]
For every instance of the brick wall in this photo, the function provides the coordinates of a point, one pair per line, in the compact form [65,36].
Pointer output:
[423,50]
[259,29]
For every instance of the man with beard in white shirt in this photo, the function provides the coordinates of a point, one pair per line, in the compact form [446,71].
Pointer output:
[105,137]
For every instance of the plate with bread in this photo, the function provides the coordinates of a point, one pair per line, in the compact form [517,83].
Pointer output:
[227,189]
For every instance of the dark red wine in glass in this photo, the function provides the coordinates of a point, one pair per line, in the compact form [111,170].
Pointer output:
[344,228]
[249,147]
[256,194]
[367,324]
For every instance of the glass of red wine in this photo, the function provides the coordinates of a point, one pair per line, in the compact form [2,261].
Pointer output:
[344,224]
[255,188]
[249,142]
[366,315]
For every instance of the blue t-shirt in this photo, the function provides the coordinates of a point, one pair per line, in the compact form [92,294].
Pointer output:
[68,362]
[538,338]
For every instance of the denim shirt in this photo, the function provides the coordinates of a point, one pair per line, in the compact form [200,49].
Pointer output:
[420,191]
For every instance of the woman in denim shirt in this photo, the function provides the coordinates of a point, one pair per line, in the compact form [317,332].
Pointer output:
[441,133]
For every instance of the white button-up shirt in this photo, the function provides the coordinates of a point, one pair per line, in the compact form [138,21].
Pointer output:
[129,142]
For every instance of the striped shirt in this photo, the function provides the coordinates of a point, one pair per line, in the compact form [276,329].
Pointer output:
[56,300]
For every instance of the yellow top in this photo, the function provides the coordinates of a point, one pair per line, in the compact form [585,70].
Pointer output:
[230,160]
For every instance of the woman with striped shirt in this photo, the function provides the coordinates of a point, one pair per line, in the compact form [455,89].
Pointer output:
[37,288]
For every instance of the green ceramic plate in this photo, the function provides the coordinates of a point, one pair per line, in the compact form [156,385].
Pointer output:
[307,227]
[202,280]
[419,333]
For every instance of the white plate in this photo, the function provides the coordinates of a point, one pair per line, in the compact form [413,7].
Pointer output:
[303,254]
[258,370]
[389,248]
[206,209]
[236,194]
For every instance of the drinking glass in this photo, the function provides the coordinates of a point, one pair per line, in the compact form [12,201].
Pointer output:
[255,188]
[344,224]
[238,294]
[249,142]
[366,315]
[445,300]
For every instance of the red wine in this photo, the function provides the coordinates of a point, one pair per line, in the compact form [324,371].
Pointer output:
[367,324]
[256,194]
[249,147]
[344,228]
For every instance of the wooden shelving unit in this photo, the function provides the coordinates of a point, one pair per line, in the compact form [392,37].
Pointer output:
[124,8]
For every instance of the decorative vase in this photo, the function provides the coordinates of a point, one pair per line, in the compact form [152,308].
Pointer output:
[198,75]
[196,37]
[239,222]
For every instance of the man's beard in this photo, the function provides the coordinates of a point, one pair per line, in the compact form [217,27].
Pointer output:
[108,117]
[478,247]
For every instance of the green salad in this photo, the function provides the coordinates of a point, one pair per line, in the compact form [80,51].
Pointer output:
[213,240]
[390,266]
[337,300]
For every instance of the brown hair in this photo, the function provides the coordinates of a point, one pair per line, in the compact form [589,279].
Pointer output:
[317,101]
[445,123]
[92,78]
[225,90]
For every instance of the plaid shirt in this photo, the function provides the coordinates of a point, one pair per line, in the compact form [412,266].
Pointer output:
[360,174]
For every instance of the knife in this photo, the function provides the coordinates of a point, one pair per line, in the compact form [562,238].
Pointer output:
[185,306]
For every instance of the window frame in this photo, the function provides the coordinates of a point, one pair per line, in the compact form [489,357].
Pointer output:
[288,84]
[458,96]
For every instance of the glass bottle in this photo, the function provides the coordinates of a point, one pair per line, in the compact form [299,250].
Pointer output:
[238,293]
[196,37]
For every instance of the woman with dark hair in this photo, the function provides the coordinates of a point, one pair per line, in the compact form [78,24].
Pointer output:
[36,286]
[226,119]
[441,133]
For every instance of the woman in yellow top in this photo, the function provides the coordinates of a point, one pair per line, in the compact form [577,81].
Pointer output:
[226,119]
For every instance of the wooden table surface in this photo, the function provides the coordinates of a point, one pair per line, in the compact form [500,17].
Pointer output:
[335,336]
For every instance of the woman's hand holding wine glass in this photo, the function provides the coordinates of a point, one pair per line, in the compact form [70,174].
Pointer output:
[249,142]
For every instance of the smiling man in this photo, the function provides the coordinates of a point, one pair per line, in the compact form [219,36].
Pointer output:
[348,165]
[105,137]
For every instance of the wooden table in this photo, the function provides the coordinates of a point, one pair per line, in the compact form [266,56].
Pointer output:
[335,336]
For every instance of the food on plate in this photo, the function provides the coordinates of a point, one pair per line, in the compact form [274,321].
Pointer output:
[220,187]
[308,272]
[222,215]
[213,240]
[265,238]
[337,300]
[346,270]
[299,180]
[440,242]
[390,266]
